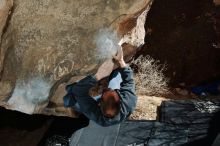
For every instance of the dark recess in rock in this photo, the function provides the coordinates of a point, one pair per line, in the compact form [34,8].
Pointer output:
[185,35]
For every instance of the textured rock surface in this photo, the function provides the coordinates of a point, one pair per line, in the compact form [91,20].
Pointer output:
[49,42]
[217,2]
[5,9]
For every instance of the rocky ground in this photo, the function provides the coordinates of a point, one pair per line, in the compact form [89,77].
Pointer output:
[147,106]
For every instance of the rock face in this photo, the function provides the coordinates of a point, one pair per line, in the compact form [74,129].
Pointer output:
[5,9]
[217,2]
[186,36]
[50,43]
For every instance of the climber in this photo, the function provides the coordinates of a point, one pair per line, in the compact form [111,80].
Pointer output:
[115,104]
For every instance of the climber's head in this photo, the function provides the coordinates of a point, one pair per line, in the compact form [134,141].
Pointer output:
[110,103]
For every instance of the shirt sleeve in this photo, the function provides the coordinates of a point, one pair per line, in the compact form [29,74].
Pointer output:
[82,87]
[88,106]
[127,91]
[127,79]
[80,91]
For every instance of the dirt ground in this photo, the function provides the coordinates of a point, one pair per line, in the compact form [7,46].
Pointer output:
[147,107]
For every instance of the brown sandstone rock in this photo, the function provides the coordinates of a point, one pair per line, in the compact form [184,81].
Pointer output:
[217,2]
[5,10]
[49,42]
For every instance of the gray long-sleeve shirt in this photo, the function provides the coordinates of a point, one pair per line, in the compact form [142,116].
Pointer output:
[90,108]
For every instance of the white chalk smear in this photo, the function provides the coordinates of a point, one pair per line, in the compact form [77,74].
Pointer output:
[35,90]
[206,106]
[106,42]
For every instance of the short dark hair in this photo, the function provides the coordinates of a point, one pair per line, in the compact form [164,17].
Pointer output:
[110,100]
